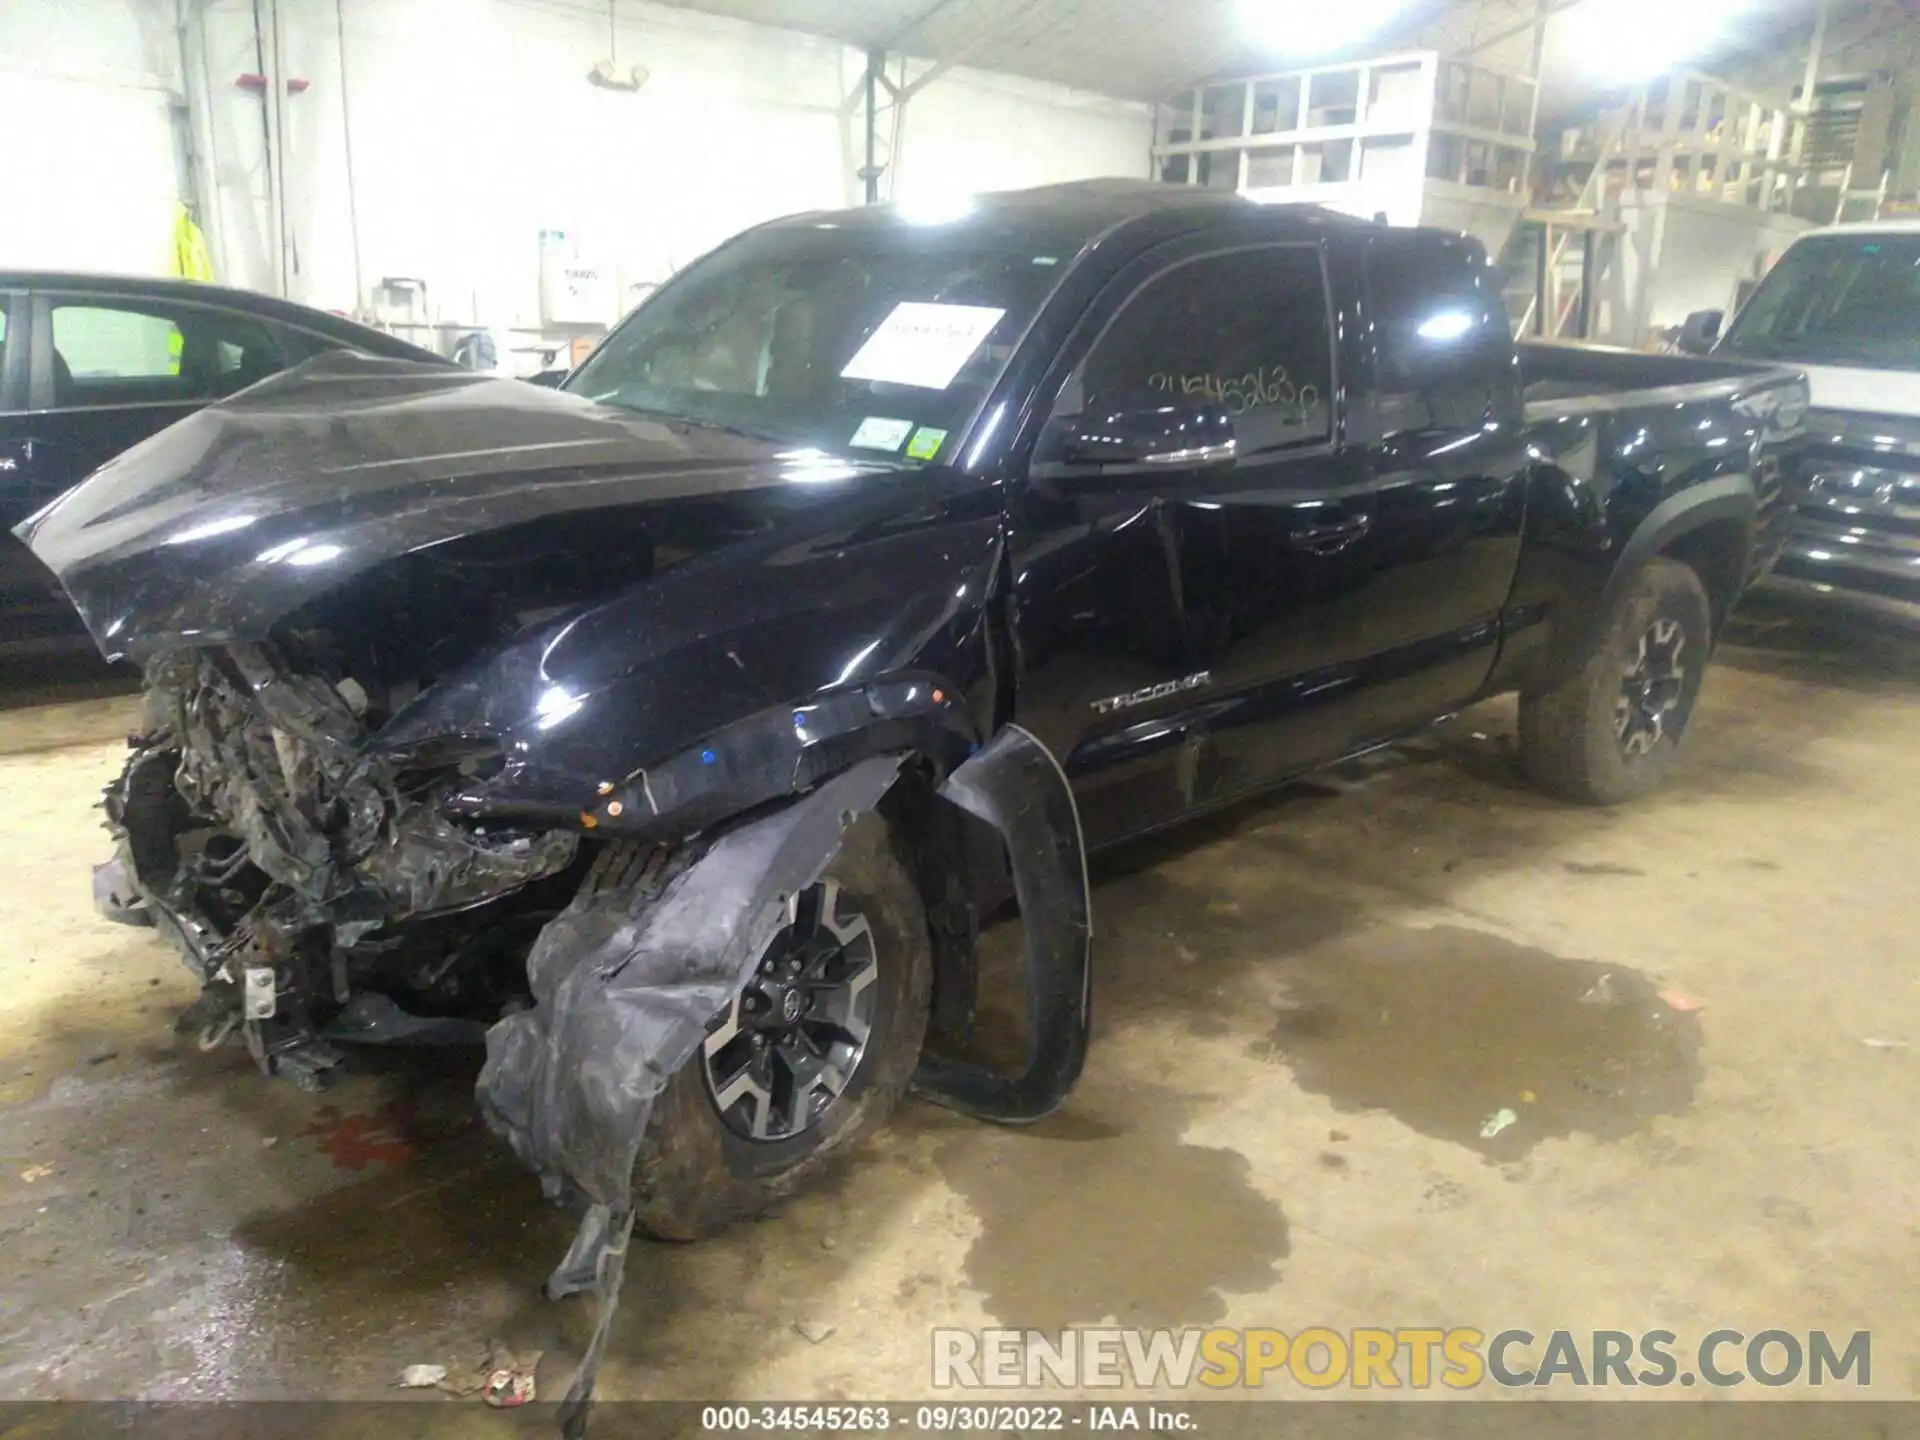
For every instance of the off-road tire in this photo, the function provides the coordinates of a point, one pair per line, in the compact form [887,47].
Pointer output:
[695,1176]
[1568,741]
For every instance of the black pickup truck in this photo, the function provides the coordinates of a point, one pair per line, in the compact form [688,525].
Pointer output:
[678,729]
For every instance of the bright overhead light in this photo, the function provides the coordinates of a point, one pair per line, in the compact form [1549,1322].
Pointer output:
[1308,28]
[936,208]
[1638,39]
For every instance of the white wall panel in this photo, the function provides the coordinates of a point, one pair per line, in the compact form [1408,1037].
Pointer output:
[87,154]
[474,129]
[971,131]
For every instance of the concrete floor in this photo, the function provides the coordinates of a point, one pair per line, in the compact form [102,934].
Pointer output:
[1305,1011]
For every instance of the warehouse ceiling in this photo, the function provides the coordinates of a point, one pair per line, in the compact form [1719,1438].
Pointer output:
[1143,49]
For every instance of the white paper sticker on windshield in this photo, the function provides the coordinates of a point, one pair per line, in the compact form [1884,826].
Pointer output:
[922,344]
[876,433]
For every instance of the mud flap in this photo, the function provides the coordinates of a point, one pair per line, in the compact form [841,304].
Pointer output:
[625,981]
[1016,786]
[596,1261]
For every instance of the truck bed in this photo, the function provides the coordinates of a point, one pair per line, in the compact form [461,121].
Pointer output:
[1562,380]
[1612,417]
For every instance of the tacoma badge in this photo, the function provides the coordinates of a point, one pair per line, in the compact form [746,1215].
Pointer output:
[1152,692]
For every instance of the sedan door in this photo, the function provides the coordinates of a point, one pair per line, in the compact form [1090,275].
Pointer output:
[111,369]
[35,618]
[89,374]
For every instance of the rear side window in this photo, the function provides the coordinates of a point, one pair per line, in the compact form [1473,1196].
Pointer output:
[1246,329]
[112,352]
[99,342]
[231,351]
[1443,346]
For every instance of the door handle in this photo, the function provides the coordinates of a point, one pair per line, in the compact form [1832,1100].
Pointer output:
[1196,455]
[1331,538]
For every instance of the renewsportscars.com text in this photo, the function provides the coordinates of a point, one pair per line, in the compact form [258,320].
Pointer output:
[1416,1358]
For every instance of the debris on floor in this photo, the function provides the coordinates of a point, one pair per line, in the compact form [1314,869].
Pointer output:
[1496,1122]
[1879,1042]
[420,1377]
[1678,999]
[1601,992]
[510,1381]
[813,1332]
[501,1377]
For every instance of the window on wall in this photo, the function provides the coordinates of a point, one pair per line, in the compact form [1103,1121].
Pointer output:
[109,352]
[1246,330]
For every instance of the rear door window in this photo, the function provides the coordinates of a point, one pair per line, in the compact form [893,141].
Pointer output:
[108,351]
[109,342]
[1439,323]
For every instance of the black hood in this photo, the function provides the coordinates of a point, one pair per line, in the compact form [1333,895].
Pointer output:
[218,527]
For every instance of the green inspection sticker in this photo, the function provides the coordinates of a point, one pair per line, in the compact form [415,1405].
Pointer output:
[926,443]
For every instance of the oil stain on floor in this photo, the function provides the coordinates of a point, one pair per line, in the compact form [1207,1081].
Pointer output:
[1448,1027]
[1104,1211]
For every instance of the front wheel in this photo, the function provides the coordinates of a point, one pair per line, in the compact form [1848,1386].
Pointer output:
[810,1057]
[1610,731]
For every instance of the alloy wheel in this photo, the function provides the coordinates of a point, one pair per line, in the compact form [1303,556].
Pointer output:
[1651,689]
[788,1046]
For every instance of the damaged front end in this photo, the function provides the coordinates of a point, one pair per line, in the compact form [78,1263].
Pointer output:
[317,888]
[477,713]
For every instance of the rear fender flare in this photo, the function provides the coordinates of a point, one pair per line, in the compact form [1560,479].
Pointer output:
[1730,497]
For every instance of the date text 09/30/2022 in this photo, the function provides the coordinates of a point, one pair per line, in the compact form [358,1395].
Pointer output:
[947,1419]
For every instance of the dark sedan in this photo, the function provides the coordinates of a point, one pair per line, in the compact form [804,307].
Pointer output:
[91,365]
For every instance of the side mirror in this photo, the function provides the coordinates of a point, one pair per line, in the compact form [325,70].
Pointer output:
[1146,431]
[1700,332]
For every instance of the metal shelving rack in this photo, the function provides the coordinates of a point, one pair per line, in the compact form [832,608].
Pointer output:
[1416,137]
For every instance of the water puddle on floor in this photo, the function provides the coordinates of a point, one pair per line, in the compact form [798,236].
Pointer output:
[1469,1038]
[1103,1210]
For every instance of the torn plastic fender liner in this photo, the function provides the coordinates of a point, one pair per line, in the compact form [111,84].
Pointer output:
[1016,786]
[625,982]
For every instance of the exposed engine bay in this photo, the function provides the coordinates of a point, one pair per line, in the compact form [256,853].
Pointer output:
[315,883]
[310,885]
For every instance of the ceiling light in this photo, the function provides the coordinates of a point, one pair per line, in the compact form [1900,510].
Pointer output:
[1637,39]
[1308,28]
[937,208]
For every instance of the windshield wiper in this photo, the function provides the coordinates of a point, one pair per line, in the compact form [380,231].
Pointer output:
[672,418]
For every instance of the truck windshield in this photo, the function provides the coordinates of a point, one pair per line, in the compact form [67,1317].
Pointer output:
[879,342]
[1837,300]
